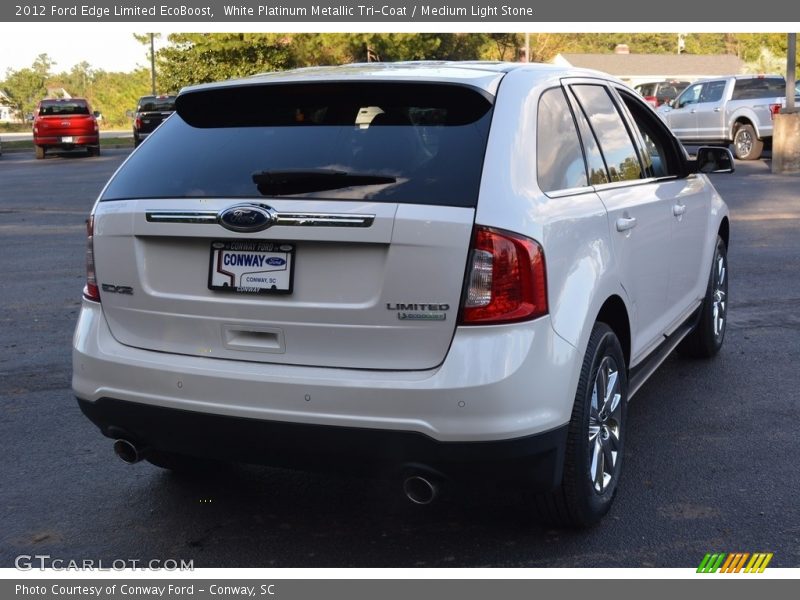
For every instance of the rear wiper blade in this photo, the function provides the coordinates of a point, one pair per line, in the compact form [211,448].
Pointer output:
[298,181]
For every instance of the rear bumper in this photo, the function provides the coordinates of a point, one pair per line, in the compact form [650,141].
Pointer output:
[533,461]
[77,140]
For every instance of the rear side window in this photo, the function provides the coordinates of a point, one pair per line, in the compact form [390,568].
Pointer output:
[61,108]
[559,159]
[647,89]
[382,141]
[152,104]
[759,87]
[609,129]
[712,91]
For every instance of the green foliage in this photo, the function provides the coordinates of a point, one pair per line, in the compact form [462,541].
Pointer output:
[203,57]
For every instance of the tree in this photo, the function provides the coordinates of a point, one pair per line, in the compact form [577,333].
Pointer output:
[27,86]
[203,57]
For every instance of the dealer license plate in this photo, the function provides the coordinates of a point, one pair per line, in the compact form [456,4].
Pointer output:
[251,267]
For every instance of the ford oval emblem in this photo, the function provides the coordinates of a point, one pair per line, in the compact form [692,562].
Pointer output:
[247,218]
[274,261]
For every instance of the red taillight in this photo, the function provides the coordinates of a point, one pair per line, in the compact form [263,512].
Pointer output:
[774,109]
[652,100]
[138,122]
[506,280]
[90,291]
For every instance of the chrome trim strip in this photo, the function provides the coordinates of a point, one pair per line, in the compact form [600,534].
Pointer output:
[324,220]
[170,216]
[209,217]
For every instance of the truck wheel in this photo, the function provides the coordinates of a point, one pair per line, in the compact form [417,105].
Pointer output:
[707,337]
[746,145]
[39,152]
[595,442]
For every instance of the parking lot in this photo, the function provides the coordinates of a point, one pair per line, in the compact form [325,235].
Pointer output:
[711,459]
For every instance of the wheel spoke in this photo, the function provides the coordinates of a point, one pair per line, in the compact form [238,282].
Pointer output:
[611,391]
[609,458]
[598,466]
[613,435]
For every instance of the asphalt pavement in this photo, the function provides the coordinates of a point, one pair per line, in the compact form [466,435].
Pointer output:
[712,445]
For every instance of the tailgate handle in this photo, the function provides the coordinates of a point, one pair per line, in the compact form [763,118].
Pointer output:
[253,339]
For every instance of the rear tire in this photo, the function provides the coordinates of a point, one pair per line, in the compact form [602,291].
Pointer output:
[596,438]
[93,150]
[746,145]
[706,338]
[39,152]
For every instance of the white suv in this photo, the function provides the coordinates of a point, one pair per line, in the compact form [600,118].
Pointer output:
[431,270]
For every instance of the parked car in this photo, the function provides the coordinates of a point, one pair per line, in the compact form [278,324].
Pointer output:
[150,112]
[736,110]
[661,92]
[65,124]
[383,268]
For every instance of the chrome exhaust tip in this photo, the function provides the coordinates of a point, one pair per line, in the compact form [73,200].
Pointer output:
[128,452]
[420,490]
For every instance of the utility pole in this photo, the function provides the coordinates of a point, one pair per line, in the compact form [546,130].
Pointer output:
[527,47]
[153,63]
[786,124]
[791,72]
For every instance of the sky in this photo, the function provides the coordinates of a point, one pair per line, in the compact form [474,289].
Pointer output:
[103,46]
[111,46]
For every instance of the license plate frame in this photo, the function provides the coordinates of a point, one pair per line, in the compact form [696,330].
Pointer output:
[268,264]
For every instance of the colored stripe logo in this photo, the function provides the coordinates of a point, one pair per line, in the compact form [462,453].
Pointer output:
[738,562]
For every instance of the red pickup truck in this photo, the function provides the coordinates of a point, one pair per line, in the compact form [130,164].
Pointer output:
[65,124]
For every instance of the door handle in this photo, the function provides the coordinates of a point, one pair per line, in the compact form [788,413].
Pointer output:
[692,111]
[718,109]
[678,209]
[626,223]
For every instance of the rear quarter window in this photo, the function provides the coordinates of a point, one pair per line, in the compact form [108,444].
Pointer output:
[559,157]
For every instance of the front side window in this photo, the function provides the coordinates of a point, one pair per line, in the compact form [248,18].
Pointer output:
[690,95]
[559,159]
[609,129]
[657,152]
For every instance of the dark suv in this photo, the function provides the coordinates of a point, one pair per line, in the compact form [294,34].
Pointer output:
[661,92]
[150,111]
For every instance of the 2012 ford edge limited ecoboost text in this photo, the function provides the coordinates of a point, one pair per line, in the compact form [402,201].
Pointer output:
[428,270]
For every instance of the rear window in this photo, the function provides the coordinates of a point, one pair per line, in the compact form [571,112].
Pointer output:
[759,87]
[392,142]
[61,108]
[152,104]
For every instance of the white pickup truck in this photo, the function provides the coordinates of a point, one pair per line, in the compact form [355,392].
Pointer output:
[723,110]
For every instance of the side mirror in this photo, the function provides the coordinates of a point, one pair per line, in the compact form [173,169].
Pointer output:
[129,114]
[98,115]
[712,159]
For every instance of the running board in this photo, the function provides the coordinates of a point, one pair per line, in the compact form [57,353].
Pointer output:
[639,374]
